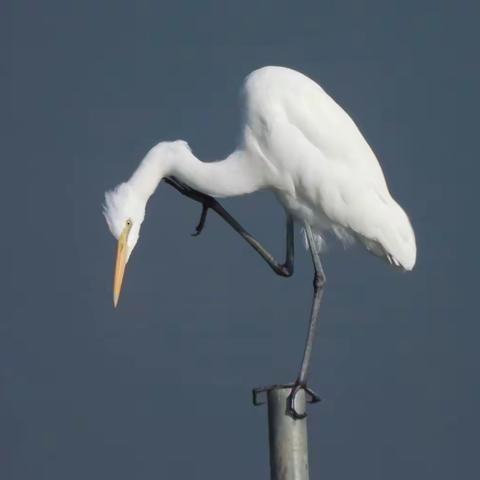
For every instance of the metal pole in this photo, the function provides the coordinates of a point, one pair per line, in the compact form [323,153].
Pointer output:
[288,436]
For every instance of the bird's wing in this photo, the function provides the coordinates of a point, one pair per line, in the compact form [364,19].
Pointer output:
[278,94]
[335,172]
[321,162]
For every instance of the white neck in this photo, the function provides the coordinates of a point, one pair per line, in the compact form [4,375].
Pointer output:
[229,177]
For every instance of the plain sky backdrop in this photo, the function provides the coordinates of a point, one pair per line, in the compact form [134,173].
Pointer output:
[160,388]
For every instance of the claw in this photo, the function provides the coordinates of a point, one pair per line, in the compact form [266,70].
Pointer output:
[291,410]
[311,397]
[206,200]
[201,223]
[291,403]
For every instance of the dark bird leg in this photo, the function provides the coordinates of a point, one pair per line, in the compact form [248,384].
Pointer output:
[318,286]
[285,269]
[209,203]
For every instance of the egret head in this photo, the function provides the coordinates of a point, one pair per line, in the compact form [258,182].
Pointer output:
[124,211]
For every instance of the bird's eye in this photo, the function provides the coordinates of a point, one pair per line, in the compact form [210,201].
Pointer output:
[129,222]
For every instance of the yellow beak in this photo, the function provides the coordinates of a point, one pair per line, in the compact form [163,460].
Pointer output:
[120,263]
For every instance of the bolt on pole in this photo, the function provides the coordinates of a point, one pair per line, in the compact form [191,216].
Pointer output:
[287,436]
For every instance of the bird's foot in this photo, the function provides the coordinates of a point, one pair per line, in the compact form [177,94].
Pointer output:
[312,397]
[207,203]
[206,200]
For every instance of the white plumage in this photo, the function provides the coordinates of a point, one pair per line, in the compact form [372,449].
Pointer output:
[301,145]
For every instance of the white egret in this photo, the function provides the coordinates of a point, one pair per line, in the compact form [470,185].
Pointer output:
[299,144]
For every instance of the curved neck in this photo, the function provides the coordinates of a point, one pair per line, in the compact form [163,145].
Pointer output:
[224,178]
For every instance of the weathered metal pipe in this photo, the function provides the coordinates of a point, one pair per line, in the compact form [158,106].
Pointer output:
[288,436]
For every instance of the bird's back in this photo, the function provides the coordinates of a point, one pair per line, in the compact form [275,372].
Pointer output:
[320,165]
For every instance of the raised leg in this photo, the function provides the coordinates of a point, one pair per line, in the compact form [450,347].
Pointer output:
[318,286]
[209,203]
[285,269]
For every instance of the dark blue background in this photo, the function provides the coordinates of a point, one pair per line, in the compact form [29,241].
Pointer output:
[160,388]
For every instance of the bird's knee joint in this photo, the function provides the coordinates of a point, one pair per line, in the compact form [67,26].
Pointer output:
[286,271]
[319,282]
